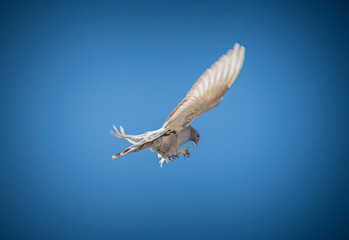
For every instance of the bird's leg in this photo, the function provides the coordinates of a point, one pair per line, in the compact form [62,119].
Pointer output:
[173,157]
[168,159]
[162,160]
[183,151]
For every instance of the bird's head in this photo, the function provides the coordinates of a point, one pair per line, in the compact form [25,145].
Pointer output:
[195,136]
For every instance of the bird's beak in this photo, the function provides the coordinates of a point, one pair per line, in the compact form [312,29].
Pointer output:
[196,144]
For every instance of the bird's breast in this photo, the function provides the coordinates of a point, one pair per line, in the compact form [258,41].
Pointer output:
[183,136]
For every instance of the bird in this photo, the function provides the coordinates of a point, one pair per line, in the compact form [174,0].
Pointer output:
[205,94]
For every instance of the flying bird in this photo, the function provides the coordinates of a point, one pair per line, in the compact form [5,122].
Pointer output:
[204,95]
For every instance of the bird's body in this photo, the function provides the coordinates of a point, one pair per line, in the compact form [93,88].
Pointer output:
[164,144]
[167,146]
[206,94]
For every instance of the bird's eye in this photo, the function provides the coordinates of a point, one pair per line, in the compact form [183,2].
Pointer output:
[198,136]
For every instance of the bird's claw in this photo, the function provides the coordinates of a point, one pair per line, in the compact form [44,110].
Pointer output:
[186,154]
[169,159]
[173,157]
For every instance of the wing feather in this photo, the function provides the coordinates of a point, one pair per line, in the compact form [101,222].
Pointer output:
[209,89]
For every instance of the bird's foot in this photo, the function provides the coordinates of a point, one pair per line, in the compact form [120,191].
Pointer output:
[162,160]
[173,157]
[168,159]
[184,151]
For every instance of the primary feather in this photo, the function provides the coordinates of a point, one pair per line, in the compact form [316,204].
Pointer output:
[209,89]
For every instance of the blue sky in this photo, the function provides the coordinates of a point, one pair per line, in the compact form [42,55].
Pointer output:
[272,159]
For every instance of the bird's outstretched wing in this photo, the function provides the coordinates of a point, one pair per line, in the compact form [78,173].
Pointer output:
[209,89]
[140,141]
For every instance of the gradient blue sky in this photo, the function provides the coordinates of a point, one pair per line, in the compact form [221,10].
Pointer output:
[272,162]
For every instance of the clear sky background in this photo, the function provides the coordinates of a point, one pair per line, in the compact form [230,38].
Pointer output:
[272,162]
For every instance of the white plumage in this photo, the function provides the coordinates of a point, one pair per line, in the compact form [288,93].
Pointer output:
[205,94]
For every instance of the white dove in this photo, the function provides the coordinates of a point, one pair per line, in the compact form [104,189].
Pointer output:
[206,94]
